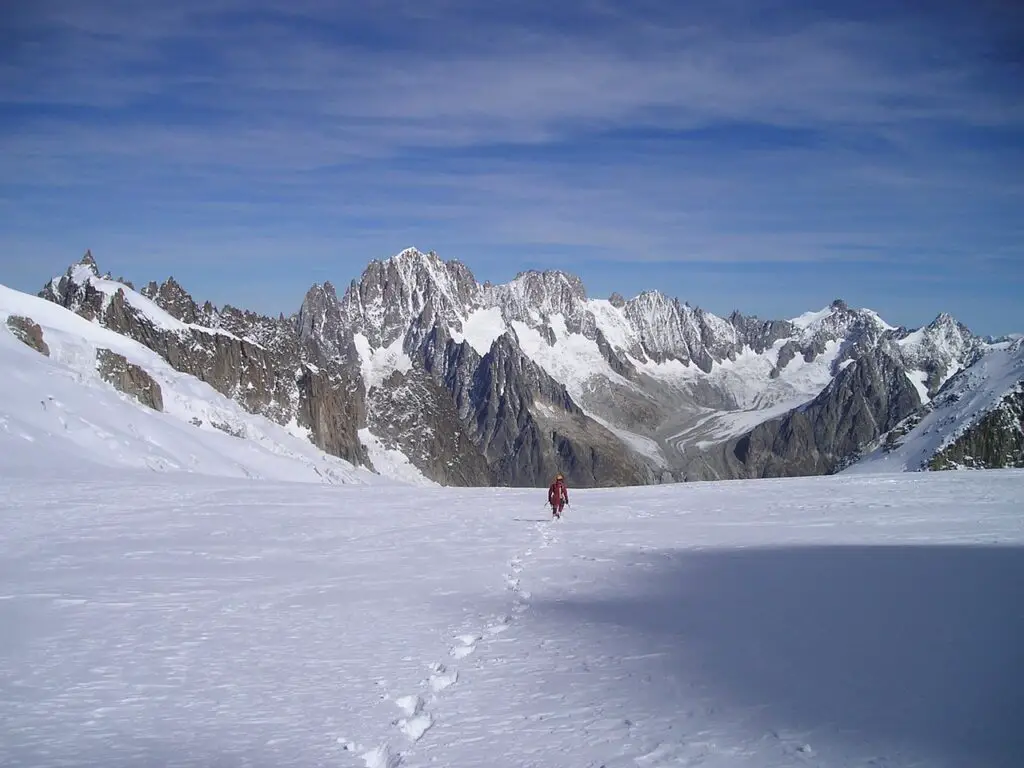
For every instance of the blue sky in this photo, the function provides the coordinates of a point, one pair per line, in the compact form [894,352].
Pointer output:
[738,154]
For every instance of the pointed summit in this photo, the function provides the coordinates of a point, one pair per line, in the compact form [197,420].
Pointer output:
[319,316]
[81,271]
[391,293]
[414,254]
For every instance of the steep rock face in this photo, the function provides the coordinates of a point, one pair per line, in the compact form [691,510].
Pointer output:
[271,381]
[332,407]
[535,297]
[323,337]
[866,399]
[500,395]
[972,421]
[129,378]
[760,335]
[855,330]
[529,428]
[995,441]
[939,350]
[422,303]
[28,332]
[414,414]
[664,333]
[389,293]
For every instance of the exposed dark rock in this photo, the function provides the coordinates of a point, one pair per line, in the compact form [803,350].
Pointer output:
[129,378]
[413,413]
[270,379]
[28,331]
[332,408]
[995,441]
[172,298]
[866,399]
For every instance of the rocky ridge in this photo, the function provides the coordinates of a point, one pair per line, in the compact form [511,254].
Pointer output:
[249,358]
[506,384]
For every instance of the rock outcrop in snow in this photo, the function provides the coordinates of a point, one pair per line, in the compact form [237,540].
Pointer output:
[28,332]
[129,378]
[995,440]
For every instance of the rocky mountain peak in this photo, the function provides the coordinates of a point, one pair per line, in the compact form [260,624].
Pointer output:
[73,290]
[839,322]
[411,285]
[436,364]
[533,297]
[319,308]
[667,330]
[946,324]
[939,350]
[175,300]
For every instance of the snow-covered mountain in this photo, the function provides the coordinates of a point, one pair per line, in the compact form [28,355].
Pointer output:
[89,397]
[975,421]
[506,384]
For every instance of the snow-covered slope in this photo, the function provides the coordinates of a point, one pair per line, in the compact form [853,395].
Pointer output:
[837,622]
[59,407]
[969,396]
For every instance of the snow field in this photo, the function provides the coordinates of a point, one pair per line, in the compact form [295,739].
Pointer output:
[187,620]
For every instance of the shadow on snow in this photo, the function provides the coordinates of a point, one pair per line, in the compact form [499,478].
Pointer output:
[919,646]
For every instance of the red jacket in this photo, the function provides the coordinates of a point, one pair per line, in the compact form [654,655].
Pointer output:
[558,490]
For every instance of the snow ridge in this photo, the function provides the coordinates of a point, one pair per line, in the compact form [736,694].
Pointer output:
[84,276]
[61,406]
[969,395]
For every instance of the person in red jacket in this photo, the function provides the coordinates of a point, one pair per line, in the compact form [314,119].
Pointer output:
[558,495]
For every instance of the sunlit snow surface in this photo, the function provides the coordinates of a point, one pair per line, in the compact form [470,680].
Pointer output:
[175,619]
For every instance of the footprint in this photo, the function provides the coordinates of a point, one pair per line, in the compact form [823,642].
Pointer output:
[442,679]
[467,647]
[381,757]
[416,721]
[462,651]
[410,705]
[415,727]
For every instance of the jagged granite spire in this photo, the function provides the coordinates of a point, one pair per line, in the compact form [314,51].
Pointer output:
[392,293]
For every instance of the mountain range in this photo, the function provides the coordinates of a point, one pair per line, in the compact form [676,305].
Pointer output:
[483,384]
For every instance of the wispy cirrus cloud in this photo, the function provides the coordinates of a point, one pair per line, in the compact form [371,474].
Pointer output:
[734,132]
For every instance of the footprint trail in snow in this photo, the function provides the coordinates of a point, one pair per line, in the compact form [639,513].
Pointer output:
[418,718]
